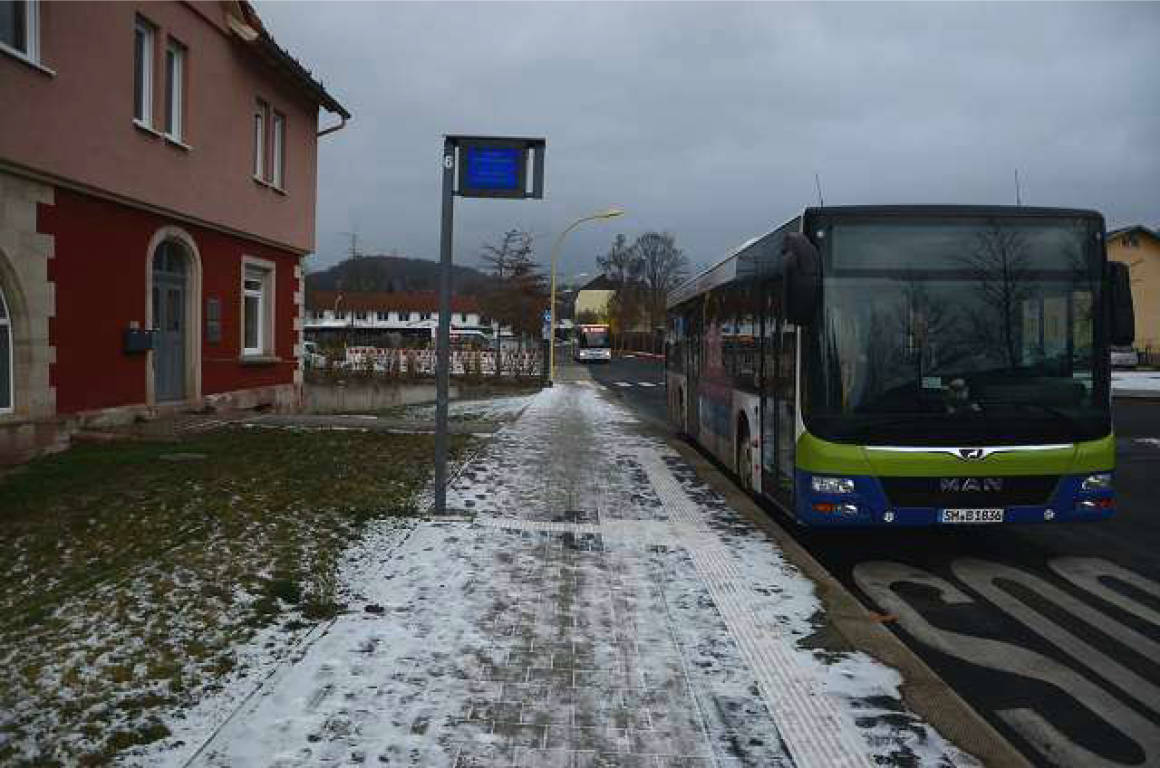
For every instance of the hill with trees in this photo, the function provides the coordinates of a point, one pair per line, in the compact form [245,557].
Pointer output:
[394,274]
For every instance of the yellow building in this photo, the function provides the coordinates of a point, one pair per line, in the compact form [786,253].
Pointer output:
[1139,248]
[594,298]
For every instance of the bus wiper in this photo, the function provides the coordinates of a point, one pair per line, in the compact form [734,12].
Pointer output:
[1049,410]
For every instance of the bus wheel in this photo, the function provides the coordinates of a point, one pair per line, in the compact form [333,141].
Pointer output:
[744,457]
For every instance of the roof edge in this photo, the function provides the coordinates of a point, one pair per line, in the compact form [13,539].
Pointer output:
[249,29]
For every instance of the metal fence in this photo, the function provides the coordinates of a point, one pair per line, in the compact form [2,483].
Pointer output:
[421,362]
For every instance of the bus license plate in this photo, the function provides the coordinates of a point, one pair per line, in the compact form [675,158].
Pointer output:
[972,516]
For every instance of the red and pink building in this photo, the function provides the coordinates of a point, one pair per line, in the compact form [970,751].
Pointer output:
[157,196]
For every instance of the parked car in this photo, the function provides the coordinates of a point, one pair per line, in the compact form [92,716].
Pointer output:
[1125,357]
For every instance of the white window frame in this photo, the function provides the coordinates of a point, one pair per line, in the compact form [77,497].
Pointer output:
[6,329]
[264,270]
[278,150]
[261,110]
[31,52]
[148,33]
[175,90]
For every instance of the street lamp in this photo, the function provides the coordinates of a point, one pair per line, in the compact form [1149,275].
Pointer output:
[611,213]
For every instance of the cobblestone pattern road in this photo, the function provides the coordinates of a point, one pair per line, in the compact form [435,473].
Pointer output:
[569,624]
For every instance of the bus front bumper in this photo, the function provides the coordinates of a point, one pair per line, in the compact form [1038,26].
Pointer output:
[868,505]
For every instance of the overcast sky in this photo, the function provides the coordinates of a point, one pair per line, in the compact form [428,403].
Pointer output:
[710,120]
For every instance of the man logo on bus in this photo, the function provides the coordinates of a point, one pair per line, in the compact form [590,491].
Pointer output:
[971,454]
[970,484]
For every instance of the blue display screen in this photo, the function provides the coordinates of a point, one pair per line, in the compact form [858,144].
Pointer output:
[493,168]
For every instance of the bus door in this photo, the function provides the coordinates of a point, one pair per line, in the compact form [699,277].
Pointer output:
[778,390]
[694,323]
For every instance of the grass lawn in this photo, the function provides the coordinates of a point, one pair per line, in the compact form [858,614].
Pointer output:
[135,573]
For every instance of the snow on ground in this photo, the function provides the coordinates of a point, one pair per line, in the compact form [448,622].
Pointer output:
[271,653]
[504,408]
[603,607]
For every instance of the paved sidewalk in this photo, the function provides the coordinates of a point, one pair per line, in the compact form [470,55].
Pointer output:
[601,607]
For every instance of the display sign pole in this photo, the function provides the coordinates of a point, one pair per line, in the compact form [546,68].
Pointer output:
[486,166]
[443,337]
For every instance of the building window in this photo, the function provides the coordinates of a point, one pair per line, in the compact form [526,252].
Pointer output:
[425,316]
[143,73]
[20,28]
[174,89]
[260,111]
[360,315]
[278,148]
[257,309]
[383,316]
[6,368]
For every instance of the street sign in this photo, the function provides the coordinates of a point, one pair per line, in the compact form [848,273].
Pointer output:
[491,166]
[488,166]
[492,170]
[547,315]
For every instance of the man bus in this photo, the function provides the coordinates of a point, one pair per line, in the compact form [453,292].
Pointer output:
[592,342]
[908,365]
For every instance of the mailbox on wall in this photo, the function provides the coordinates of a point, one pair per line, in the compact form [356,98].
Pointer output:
[138,340]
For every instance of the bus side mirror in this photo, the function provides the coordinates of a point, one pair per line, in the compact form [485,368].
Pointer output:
[1123,317]
[803,278]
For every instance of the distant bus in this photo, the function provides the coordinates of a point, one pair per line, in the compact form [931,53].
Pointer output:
[592,343]
[908,365]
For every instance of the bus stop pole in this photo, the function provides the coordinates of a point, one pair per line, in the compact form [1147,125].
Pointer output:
[443,337]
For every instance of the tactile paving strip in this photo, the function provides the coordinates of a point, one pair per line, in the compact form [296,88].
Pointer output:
[816,733]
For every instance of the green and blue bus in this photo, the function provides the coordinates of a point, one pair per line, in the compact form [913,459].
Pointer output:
[908,365]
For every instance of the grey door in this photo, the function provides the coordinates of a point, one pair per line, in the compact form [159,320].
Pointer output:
[778,398]
[169,323]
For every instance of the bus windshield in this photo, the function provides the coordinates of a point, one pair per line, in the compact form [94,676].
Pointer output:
[957,331]
[594,338]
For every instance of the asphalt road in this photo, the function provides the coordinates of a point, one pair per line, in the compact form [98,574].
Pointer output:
[1052,632]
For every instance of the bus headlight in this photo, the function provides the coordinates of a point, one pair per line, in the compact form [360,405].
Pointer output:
[822,484]
[1101,481]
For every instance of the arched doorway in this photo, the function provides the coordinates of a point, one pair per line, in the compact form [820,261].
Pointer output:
[7,351]
[171,271]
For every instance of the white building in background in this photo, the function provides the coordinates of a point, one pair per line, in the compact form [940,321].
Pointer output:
[371,318]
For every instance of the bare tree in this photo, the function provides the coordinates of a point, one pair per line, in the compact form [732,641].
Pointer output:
[624,269]
[662,267]
[500,260]
[999,267]
[518,293]
[620,264]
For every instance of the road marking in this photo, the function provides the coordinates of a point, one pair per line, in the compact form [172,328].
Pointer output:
[878,580]
[645,384]
[624,384]
[1086,572]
